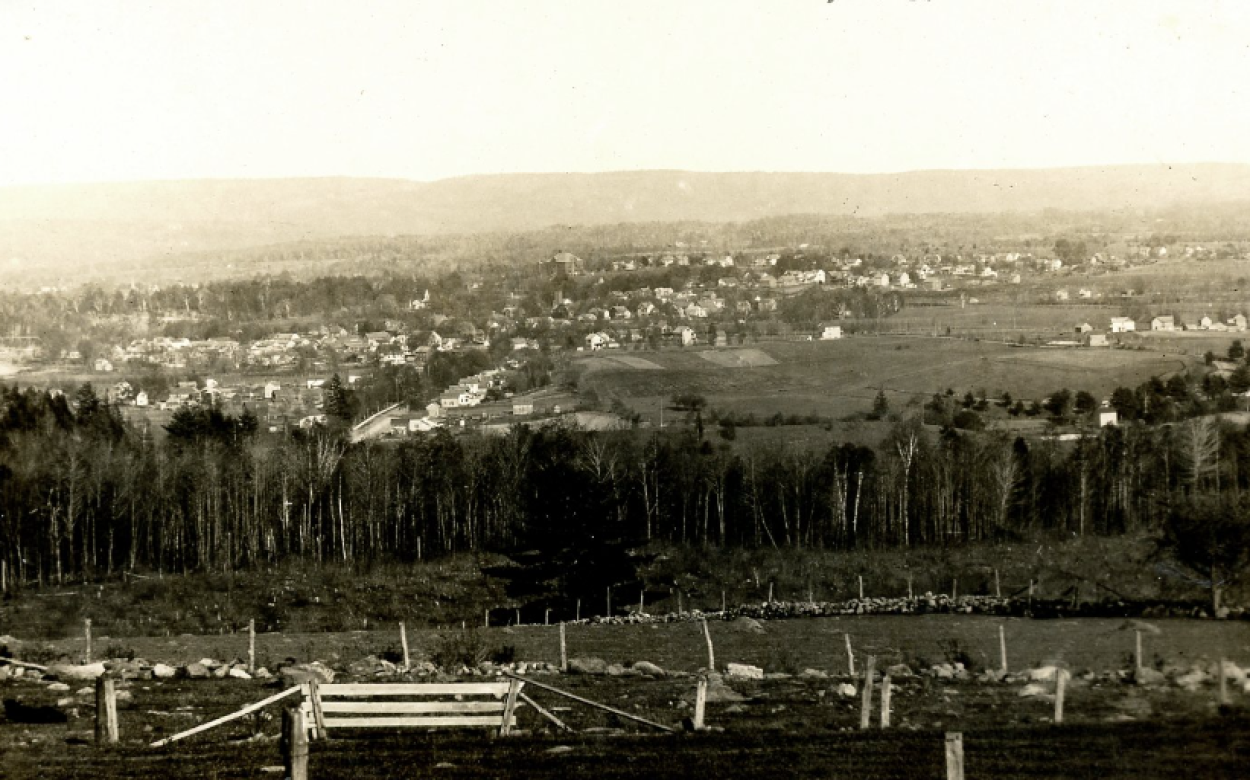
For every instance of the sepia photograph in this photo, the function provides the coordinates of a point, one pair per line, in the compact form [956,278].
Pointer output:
[650,389]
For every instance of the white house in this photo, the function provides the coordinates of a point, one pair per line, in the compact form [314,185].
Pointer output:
[596,341]
[1163,322]
[687,335]
[1122,324]
[829,332]
[1107,417]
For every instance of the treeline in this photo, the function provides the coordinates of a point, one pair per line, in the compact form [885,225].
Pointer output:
[83,495]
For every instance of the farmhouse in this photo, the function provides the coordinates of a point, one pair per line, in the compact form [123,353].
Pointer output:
[1237,322]
[1107,417]
[828,332]
[596,341]
[1123,325]
[1163,322]
[686,335]
[1097,340]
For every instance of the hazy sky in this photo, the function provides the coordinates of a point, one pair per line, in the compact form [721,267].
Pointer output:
[99,90]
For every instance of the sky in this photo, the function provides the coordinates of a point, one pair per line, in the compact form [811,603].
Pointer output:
[118,90]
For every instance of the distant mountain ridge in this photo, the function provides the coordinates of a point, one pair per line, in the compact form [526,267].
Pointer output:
[100,223]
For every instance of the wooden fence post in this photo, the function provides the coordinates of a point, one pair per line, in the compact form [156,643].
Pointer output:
[955,589]
[885,702]
[850,657]
[87,634]
[486,618]
[403,642]
[1223,682]
[861,587]
[251,647]
[770,593]
[1061,679]
[1002,648]
[865,710]
[998,591]
[910,595]
[700,703]
[711,652]
[642,602]
[294,744]
[723,605]
[547,617]
[518,616]
[1137,652]
[578,614]
[954,756]
[105,711]
[564,651]
[680,607]
[609,612]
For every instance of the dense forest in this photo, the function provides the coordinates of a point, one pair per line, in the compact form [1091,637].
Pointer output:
[83,495]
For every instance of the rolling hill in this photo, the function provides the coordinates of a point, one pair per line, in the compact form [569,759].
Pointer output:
[75,225]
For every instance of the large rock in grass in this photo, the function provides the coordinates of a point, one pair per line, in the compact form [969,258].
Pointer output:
[298,674]
[1034,690]
[1148,676]
[718,691]
[1193,679]
[196,671]
[588,666]
[164,672]
[744,671]
[76,671]
[747,625]
[646,667]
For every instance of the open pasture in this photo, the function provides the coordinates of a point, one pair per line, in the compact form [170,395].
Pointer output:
[840,378]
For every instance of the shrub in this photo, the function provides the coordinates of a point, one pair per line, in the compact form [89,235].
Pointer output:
[455,649]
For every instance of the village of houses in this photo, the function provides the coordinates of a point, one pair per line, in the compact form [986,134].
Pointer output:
[730,291]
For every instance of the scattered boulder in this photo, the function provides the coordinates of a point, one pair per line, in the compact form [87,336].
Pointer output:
[588,666]
[298,674]
[240,674]
[845,690]
[745,671]
[943,671]
[164,671]
[262,674]
[1192,679]
[196,671]
[558,750]
[646,667]
[58,687]
[747,625]
[718,691]
[76,671]
[1042,673]
[221,672]
[1034,689]
[813,674]
[1147,676]
[900,670]
[1230,670]
[618,670]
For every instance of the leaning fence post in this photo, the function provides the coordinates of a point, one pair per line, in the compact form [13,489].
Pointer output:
[885,702]
[954,756]
[564,651]
[711,652]
[1002,648]
[105,711]
[770,593]
[1061,678]
[294,744]
[403,642]
[700,703]
[865,711]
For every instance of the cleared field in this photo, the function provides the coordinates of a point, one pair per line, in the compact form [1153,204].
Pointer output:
[840,378]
